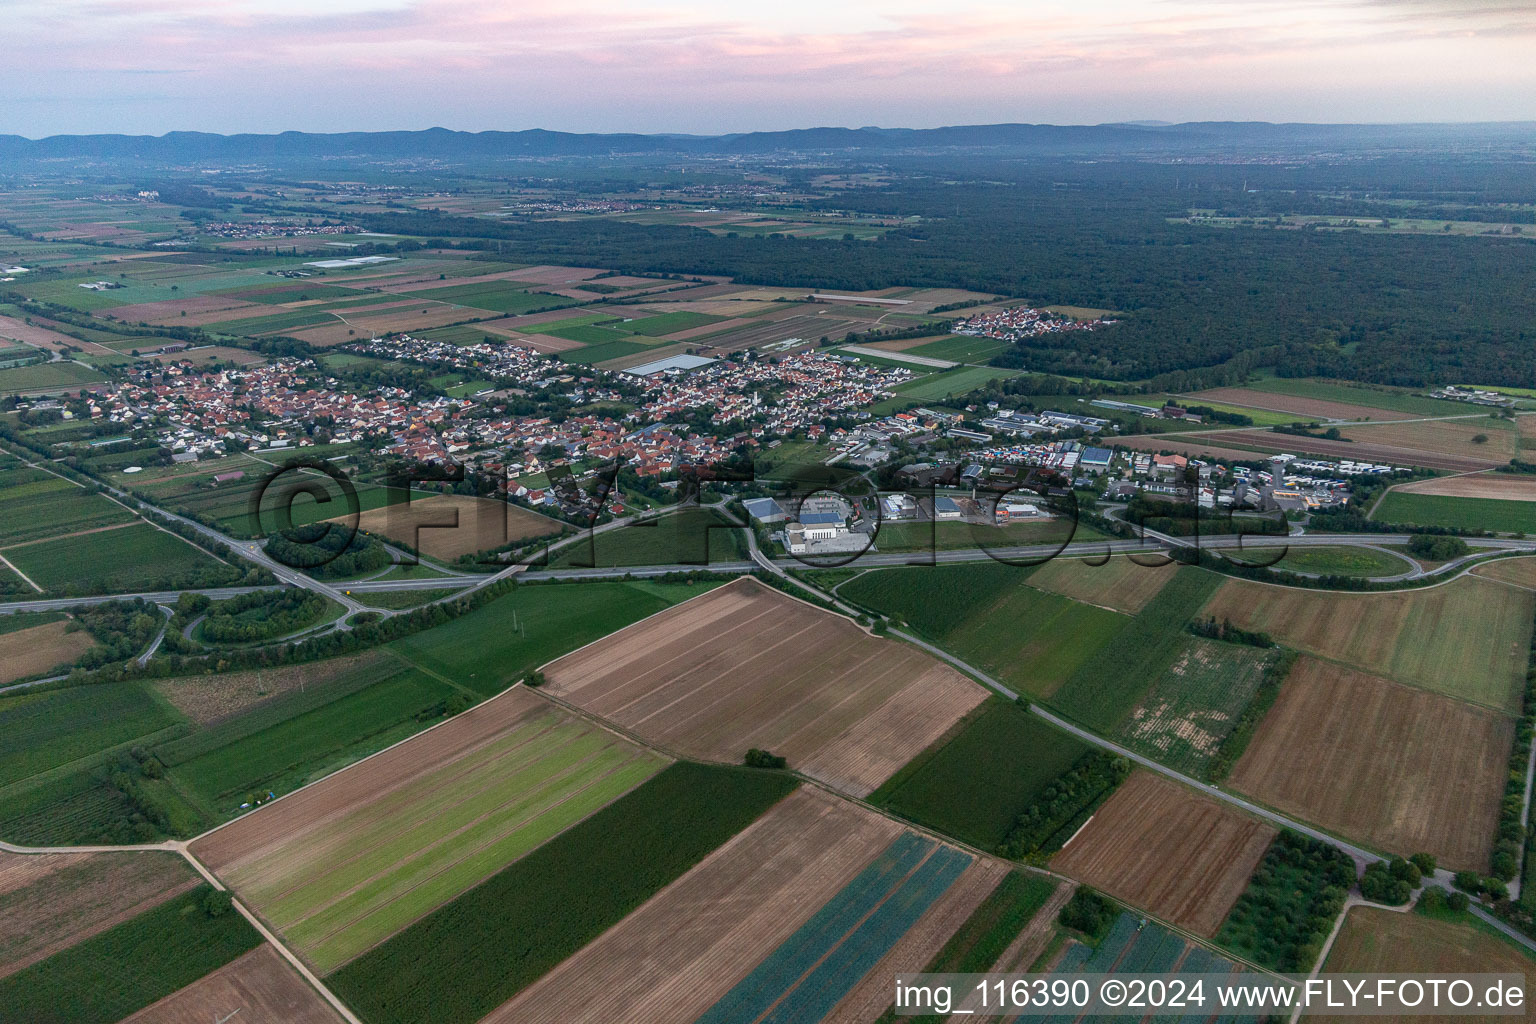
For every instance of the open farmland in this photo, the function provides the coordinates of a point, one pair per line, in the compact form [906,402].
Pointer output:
[344,864]
[982,611]
[1159,846]
[114,973]
[207,699]
[975,783]
[299,737]
[1402,403]
[1398,768]
[746,666]
[48,729]
[1115,678]
[816,968]
[1467,638]
[1344,560]
[446,526]
[51,901]
[759,888]
[498,643]
[39,505]
[29,652]
[1520,572]
[1433,444]
[472,955]
[1303,408]
[260,986]
[1501,486]
[1195,703]
[1374,940]
[133,557]
[696,536]
[1417,509]
[1121,584]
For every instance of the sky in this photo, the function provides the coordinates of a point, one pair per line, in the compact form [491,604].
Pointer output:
[710,66]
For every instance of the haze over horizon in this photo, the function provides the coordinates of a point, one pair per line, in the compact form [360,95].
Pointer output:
[696,68]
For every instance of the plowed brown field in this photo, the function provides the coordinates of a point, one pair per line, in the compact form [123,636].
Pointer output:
[260,986]
[746,666]
[1398,768]
[51,901]
[428,524]
[687,946]
[1159,846]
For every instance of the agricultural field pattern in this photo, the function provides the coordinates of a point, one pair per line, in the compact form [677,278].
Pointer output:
[530,578]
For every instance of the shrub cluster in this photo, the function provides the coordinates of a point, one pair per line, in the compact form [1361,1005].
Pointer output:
[1065,804]
[1283,918]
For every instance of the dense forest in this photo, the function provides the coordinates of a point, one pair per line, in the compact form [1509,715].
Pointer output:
[1196,300]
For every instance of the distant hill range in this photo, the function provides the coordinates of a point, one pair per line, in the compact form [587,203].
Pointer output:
[443,144]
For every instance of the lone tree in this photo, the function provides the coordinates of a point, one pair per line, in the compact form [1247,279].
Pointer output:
[763,759]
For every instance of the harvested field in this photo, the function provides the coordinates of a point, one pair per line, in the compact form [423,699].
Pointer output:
[1519,571]
[428,283]
[921,943]
[1442,437]
[1168,849]
[445,526]
[344,864]
[1192,444]
[1378,941]
[200,310]
[546,343]
[1400,769]
[260,986]
[1394,444]
[31,334]
[26,652]
[1159,846]
[1121,584]
[51,901]
[1304,408]
[1468,638]
[554,275]
[212,698]
[1503,486]
[688,945]
[746,666]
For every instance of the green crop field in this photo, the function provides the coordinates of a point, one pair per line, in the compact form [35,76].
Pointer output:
[125,968]
[961,348]
[471,955]
[136,557]
[952,382]
[692,537]
[444,832]
[670,323]
[502,298]
[52,376]
[578,320]
[498,643]
[988,615]
[50,729]
[51,507]
[1496,514]
[1345,560]
[599,350]
[1195,702]
[975,784]
[296,739]
[1106,686]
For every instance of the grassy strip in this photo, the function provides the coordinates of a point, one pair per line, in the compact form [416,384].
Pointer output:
[111,975]
[1116,677]
[470,956]
[1236,741]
